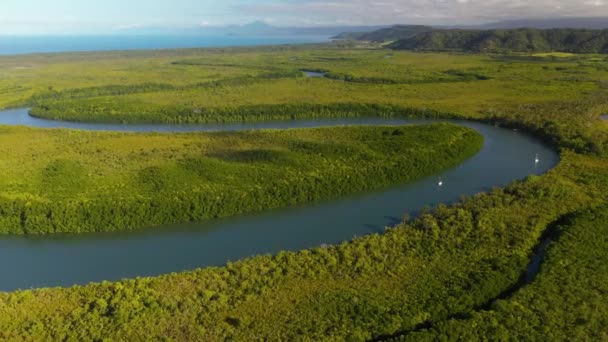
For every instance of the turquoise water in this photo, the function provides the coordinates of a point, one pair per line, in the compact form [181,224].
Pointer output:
[66,260]
[13,45]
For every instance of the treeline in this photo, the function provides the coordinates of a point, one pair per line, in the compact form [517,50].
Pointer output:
[298,171]
[566,124]
[78,111]
[109,90]
[505,41]
[451,75]
[44,98]
[545,120]
[212,63]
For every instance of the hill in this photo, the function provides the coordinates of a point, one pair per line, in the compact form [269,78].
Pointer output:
[518,40]
[393,33]
[398,32]
[597,23]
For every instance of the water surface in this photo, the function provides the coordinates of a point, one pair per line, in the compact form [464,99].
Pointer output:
[313,74]
[14,45]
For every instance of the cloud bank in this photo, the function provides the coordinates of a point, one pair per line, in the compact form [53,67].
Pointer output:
[69,16]
[358,12]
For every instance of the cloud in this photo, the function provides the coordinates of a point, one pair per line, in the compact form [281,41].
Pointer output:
[420,11]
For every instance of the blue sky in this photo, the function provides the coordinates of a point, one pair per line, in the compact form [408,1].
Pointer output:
[102,16]
[39,16]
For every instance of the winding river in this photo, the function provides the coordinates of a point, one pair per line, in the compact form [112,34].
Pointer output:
[65,260]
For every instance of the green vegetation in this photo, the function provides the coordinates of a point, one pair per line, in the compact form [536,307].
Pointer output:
[459,84]
[566,302]
[555,54]
[98,112]
[74,181]
[438,271]
[445,262]
[506,41]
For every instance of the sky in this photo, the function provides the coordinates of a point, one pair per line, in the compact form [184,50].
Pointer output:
[104,16]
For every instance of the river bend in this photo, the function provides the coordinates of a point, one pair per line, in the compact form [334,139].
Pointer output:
[65,260]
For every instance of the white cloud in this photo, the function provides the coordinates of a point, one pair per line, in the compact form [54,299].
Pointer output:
[422,11]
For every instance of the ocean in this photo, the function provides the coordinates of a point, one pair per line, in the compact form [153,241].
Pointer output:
[16,45]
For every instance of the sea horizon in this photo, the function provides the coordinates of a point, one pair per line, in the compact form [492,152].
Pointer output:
[34,44]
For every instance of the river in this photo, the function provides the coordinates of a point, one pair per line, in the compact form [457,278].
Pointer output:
[65,260]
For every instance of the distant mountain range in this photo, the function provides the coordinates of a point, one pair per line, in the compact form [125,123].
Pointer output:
[386,34]
[508,40]
[577,23]
[400,32]
[420,37]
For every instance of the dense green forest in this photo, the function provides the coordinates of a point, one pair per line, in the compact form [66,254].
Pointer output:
[94,111]
[71,182]
[505,41]
[566,302]
[451,273]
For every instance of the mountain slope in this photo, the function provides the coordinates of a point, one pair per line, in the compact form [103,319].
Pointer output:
[519,40]
[393,33]
[597,23]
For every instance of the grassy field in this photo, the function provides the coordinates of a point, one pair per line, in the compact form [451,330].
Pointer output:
[425,279]
[554,54]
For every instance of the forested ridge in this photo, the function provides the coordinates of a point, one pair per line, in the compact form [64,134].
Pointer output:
[505,41]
